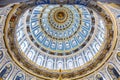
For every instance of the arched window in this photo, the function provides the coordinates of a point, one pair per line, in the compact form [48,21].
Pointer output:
[87,24]
[89,54]
[113,72]
[36,32]
[80,61]
[60,65]
[70,64]
[102,25]
[24,45]
[34,24]
[99,77]
[50,64]
[6,70]
[84,32]
[20,35]
[100,36]
[31,54]
[95,46]
[40,60]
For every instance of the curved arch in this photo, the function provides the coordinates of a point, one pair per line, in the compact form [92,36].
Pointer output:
[89,54]
[70,63]
[115,66]
[113,72]
[19,76]
[100,36]
[20,35]
[40,60]
[49,64]
[24,45]
[99,77]
[80,60]
[103,76]
[95,46]
[59,65]
[6,70]
[31,54]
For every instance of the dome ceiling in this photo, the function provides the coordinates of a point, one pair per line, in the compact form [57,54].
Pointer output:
[63,34]
[52,40]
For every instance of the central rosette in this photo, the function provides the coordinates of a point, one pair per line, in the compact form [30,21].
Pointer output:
[60,18]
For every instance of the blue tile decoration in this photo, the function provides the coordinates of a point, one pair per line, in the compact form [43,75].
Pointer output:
[50,31]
